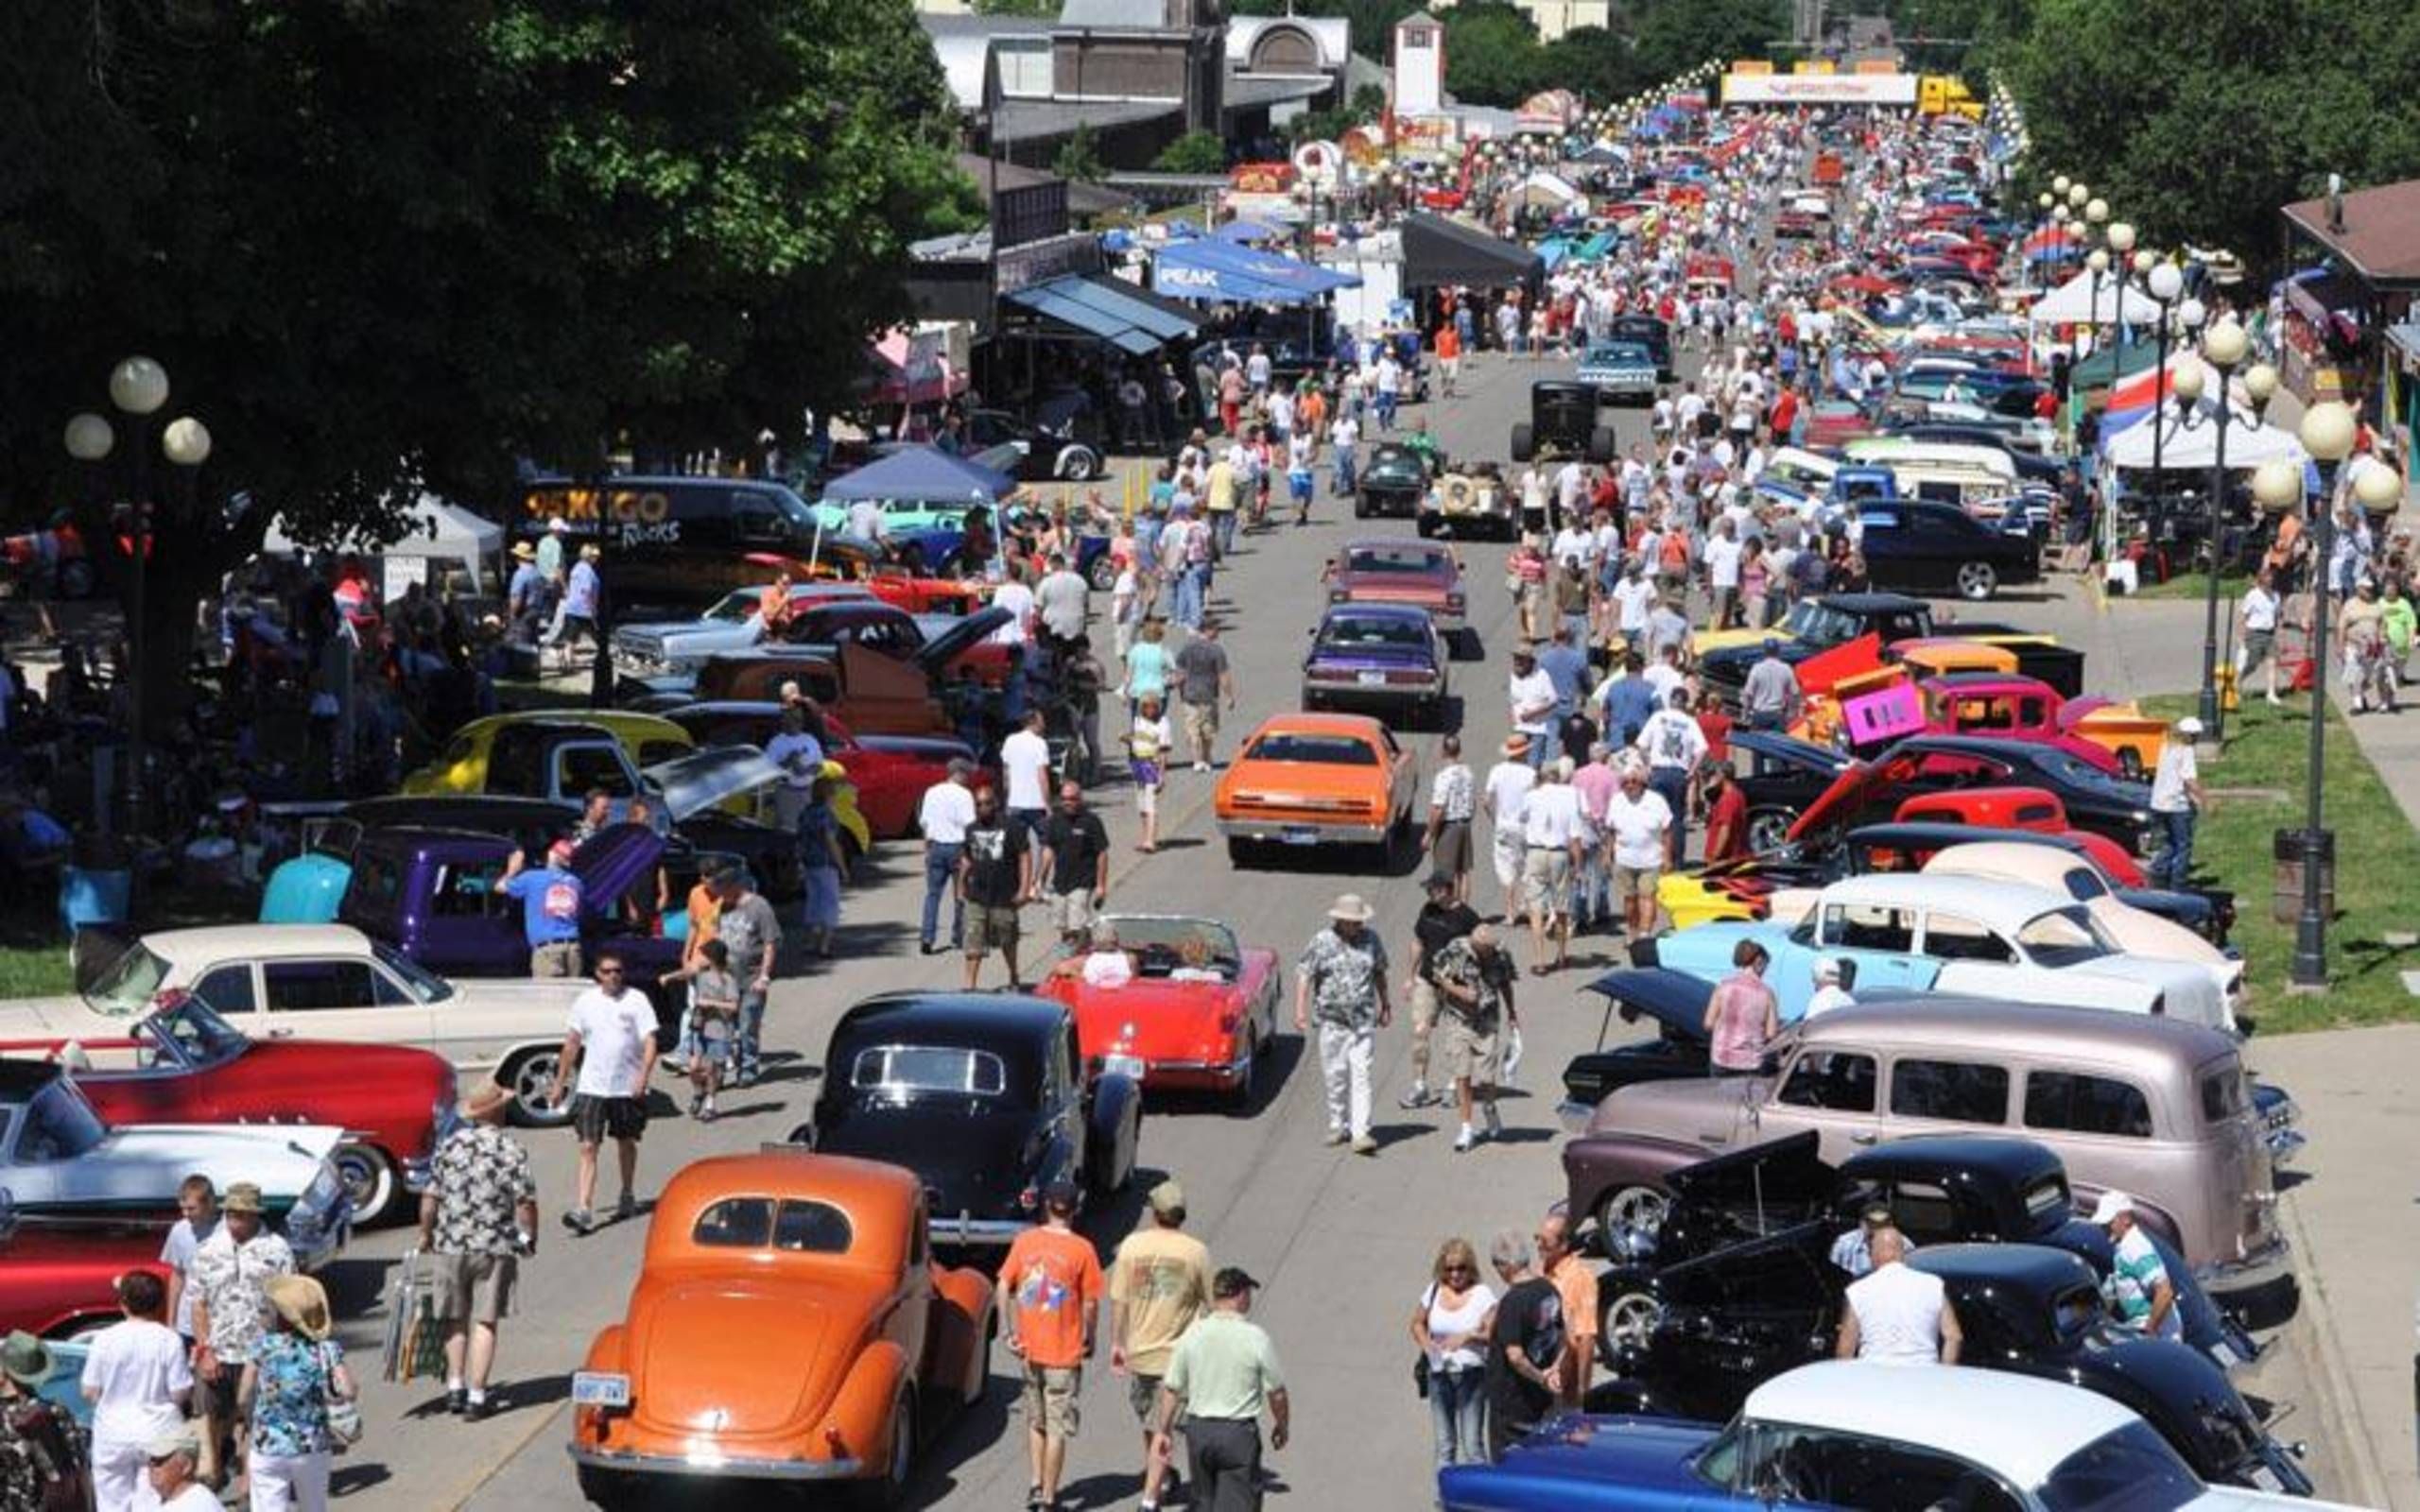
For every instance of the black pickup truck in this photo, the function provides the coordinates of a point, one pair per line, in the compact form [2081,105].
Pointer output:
[1817,624]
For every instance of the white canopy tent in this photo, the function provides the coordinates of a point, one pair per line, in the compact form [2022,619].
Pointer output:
[2072,303]
[1548,189]
[434,530]
[2190,442]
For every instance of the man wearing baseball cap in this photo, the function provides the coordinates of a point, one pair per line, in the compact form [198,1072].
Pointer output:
[550,907]
[1222,1374]
[1050,1286]
[1159,1285]
[2138,1287]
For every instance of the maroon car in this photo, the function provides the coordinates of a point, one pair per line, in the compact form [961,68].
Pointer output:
[59,1275]
[1388,570]
[182,1064]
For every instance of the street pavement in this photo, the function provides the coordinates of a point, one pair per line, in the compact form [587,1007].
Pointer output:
[1344,1243]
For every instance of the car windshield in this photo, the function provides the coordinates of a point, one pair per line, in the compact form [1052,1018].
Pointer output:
[186,1029]
[2131,1468]
[1164,946]
[1622,352]
[901,1070]
[417,979]
[127,985]
[737,607]
[1390,560]
[1355,629]
[1812,621]
[2063,937]
[1313,751]
[2072,769]
[59,1126]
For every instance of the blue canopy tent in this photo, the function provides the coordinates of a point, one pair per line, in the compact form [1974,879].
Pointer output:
[1249,232]
[1552,251]
[923,474]
[1226,273]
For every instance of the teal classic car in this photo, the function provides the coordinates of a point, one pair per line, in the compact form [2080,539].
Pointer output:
[1619,370]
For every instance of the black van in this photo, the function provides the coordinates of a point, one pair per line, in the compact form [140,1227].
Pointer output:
[673,542]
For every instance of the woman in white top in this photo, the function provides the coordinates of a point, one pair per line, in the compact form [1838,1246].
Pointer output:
[1450,1327]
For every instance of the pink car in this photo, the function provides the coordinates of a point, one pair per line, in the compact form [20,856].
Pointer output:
[2008,706]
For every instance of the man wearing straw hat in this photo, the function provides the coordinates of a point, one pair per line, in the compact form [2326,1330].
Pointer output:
[1343,976]
[231,1309]
[478,1216]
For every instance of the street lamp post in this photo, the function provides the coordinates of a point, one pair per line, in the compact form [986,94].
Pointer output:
[2121,246]
[2223,348]
[2166,284]
[2327,434]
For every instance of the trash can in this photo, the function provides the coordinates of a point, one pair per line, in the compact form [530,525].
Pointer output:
[2289,848]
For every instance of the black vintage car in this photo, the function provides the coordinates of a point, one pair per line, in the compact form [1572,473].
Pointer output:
[1675,1001]
[1393,481]
[1872,792]
[1564,422]
[985,1096]
[1918,545]
[1781,776]
[1030,451]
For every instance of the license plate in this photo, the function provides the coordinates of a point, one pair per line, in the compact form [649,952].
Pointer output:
[597,1388]
[2265,1479]
[1129,1067]
[1371,680]
[1299,834]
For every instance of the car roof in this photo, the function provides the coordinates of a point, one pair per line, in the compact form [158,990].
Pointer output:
[2016,1425]
[22,1076]
[2042,1271]
[1962,1025]
[1429,548]
[1919,834]
[2018,1162]
[962,1018]
[2003,906]
[626,724]
[1974,680]
[2015,856]
[264,940]
[1310,724]
[1356,611]
[1871,603]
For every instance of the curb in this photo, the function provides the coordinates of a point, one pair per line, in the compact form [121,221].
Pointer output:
[2335,1400]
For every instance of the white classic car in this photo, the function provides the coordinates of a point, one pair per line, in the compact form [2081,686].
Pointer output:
[321,982]
[58,1159]
[1944,933]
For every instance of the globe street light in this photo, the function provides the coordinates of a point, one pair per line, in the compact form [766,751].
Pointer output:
[2223,347]
[2166,284]
[139,385]
[2096,211]
[2121,236]
[2327,432]
[2077,194]
[89,437]
[2059,185]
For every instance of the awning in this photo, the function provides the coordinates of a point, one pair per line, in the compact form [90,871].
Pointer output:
[1108,308]
[1226,273]
[1440,253]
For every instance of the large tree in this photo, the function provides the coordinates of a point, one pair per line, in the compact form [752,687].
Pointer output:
[383,246]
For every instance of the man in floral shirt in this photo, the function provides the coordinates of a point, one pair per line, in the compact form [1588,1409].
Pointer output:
[229,1310]
[1341,980]
[1475,977]
[478,1218]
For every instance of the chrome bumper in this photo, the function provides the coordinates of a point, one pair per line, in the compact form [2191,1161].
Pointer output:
[969,1231]
[1374,692]
[1322,831]
[590,1457]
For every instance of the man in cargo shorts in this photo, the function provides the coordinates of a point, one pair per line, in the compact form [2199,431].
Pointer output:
[1050,1289]
[478,1218]
[1475,977]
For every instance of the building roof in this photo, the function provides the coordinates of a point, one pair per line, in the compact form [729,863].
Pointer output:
[1247,91]
[1040,120]
[1131,15]
[1332,34]
[2016,1425]
[2381,235]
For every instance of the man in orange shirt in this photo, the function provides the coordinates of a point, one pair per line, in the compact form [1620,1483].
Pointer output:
[1050,1291]
[1575,1280]
[1448,347]
[705,910]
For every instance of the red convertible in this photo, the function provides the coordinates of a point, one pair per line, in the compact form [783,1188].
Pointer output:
[1178,1003]
[184,1064]
[1390,570]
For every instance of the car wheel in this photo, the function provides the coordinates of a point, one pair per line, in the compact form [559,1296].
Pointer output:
[1360,504]
[1627,1324]
[891,1489]
[1104,573]
[1239,1096]
[1976,581]
[529,1076]
[368,1180]
[1079,464]
[1239,853]
[1628,1221]
[1768,829]
[1423,526]
[1525,443]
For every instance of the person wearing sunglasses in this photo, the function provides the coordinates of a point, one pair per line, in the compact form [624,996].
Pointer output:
[610,1044]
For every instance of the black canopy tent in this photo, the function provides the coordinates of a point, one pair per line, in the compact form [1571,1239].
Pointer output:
[1441,254]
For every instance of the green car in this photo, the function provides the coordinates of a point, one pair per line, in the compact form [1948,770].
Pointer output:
[1620,371]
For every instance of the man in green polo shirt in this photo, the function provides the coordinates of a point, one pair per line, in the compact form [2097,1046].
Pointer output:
[1223,1372]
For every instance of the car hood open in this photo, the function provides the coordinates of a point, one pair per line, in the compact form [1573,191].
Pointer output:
[1675,999]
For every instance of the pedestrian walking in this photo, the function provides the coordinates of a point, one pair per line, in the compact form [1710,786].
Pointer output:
[291,1390]
[1473,978]
[1726,815]
[822,863]
[1575,1281]
[1206,680]
[1443,920]
[551,899]
[712,1018]
[1772,698]
[138,1377]
[995,880]
[1742,1016]
[172,1473]
[1529,701]
[478,1218]
[1449,1326]
[1675,746]
[1149,742]
[1147,663]
[1050,1291]
[231,1309]
[1525,1345]
[610,1046]
[1553,841]
[1073,868]
[1510,782]
[1453,800]
[751,935]
[1223,1375]
[1024,763]
[2177,799]
[942,814]
[1159,1286]
[1342,975]
[1895,1313]
[196,1220]
[1638,825]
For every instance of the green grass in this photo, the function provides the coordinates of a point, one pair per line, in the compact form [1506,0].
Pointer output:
[2257,787]
[2196,586]
[35,970]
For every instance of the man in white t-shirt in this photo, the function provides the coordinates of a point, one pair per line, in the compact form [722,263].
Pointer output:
[1509,782]
[1637,826]
[196,1220]
[611,1040]
[865,520]
[942,816]
[1025,762]
[1529,697]
[1898,1315]
[1017,599]
[1723,553]
[1832,979]
[2176,799]
[137,1377]
[1634,601]
[1552,832]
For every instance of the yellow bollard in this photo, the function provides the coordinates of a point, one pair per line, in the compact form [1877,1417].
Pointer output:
[2228,699]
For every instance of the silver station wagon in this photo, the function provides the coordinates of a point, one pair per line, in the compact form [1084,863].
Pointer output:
[2153,1106]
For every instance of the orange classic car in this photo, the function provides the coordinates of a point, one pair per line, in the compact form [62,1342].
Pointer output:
[1318,780]
[788,1325]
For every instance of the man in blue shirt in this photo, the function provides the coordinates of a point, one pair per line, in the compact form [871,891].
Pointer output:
[1630,701]
[551,901]
[1566,665]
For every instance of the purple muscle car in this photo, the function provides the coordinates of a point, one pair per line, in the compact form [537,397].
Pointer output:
[1375,657]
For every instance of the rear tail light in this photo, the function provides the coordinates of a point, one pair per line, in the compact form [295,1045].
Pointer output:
[1028,1199]
[1453,603]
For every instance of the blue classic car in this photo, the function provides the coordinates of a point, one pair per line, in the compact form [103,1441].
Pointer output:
[1619,370]
[1377,656]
